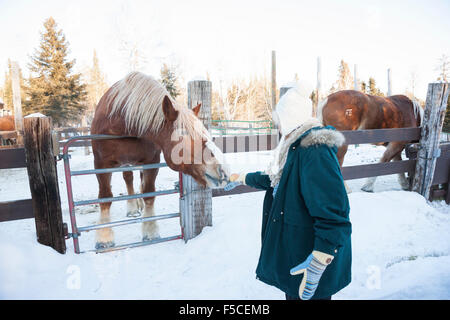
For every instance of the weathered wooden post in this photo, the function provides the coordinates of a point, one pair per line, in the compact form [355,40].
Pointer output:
[17,102]
[196,201]
[274,80]
[43,178]
[355,78]
[85,132]
[389,91]
[318,87]
[436,105]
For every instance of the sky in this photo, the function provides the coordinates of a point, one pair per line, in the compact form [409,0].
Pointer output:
[231,39]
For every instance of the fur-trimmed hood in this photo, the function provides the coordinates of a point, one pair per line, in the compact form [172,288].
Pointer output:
[310,133]
[323,135]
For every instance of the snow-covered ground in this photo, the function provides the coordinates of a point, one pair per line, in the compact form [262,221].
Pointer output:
[401,244]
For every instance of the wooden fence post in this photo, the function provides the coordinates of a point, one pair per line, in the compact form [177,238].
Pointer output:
[318,86]
[85,132]
[389,75]
[274,80]
[43,178]
[196,202]
[17,102]
[436,105]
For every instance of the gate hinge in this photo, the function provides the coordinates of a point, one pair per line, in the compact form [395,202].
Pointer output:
[62,156]
[68,235]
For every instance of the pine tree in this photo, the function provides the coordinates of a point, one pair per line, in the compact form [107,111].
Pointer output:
[169,80]
[363,86]
[345,79]
[444,68]
[52,88]
[96,85]
[373,90]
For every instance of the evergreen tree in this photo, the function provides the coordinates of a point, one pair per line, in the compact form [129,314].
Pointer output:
[363,87]
[373,90]
[444,68]
[96,85]
[169,80]
[345,79]
[52,88]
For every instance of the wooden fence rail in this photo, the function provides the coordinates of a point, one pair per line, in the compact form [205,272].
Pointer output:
[15,158]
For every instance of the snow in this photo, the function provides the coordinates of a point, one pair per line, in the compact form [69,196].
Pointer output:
[401,244]
[36,115]
[198,78]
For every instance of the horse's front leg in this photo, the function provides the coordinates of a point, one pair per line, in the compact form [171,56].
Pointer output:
[404,183]
[134,206]
[105,236]
[392,150]
[150,230]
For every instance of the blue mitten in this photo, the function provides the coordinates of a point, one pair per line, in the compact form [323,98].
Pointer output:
[312,269]
[235,180]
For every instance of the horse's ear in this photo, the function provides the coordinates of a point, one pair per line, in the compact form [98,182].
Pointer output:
[196,109]
[169,111]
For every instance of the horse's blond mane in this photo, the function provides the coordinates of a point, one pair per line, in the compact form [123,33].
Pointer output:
[418,110]
[138,98]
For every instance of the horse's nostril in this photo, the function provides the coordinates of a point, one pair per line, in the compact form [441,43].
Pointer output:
[223,175]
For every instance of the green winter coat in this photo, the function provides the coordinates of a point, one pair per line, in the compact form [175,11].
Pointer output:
[310,211]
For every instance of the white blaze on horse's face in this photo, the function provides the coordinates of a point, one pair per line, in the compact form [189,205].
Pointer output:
[196,154]
[217,172]
[201,159]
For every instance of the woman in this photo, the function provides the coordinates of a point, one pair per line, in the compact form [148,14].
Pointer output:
[306,246]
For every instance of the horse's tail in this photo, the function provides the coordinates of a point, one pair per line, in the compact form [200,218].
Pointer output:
[418,112]
[320,106]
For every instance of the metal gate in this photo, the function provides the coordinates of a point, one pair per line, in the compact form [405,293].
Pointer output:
[76,231]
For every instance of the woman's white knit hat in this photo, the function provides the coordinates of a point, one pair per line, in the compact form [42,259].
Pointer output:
[294,108]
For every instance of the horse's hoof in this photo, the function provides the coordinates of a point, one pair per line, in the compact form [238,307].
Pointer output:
[367,189]
[148,238]
[405,187]
[134,214]
[140,204]
[104,245]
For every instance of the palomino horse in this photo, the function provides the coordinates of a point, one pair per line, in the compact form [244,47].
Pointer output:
[139,106]
[354,110]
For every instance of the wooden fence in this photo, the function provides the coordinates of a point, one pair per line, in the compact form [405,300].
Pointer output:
[348,172]
[18,209]
[438,177]
[15,158]
[61,135]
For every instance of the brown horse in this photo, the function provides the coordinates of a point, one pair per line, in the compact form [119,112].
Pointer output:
[354,110]
[139,106]
[7,123]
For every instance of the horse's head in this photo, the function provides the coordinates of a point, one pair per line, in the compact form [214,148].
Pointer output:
[189,148]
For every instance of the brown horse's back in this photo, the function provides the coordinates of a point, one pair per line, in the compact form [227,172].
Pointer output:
[7,123]
[123,151]
[354,110]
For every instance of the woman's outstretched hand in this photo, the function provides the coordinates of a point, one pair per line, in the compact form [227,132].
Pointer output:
[236,179]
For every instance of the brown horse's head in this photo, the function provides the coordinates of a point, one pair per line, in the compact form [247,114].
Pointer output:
[188,147]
